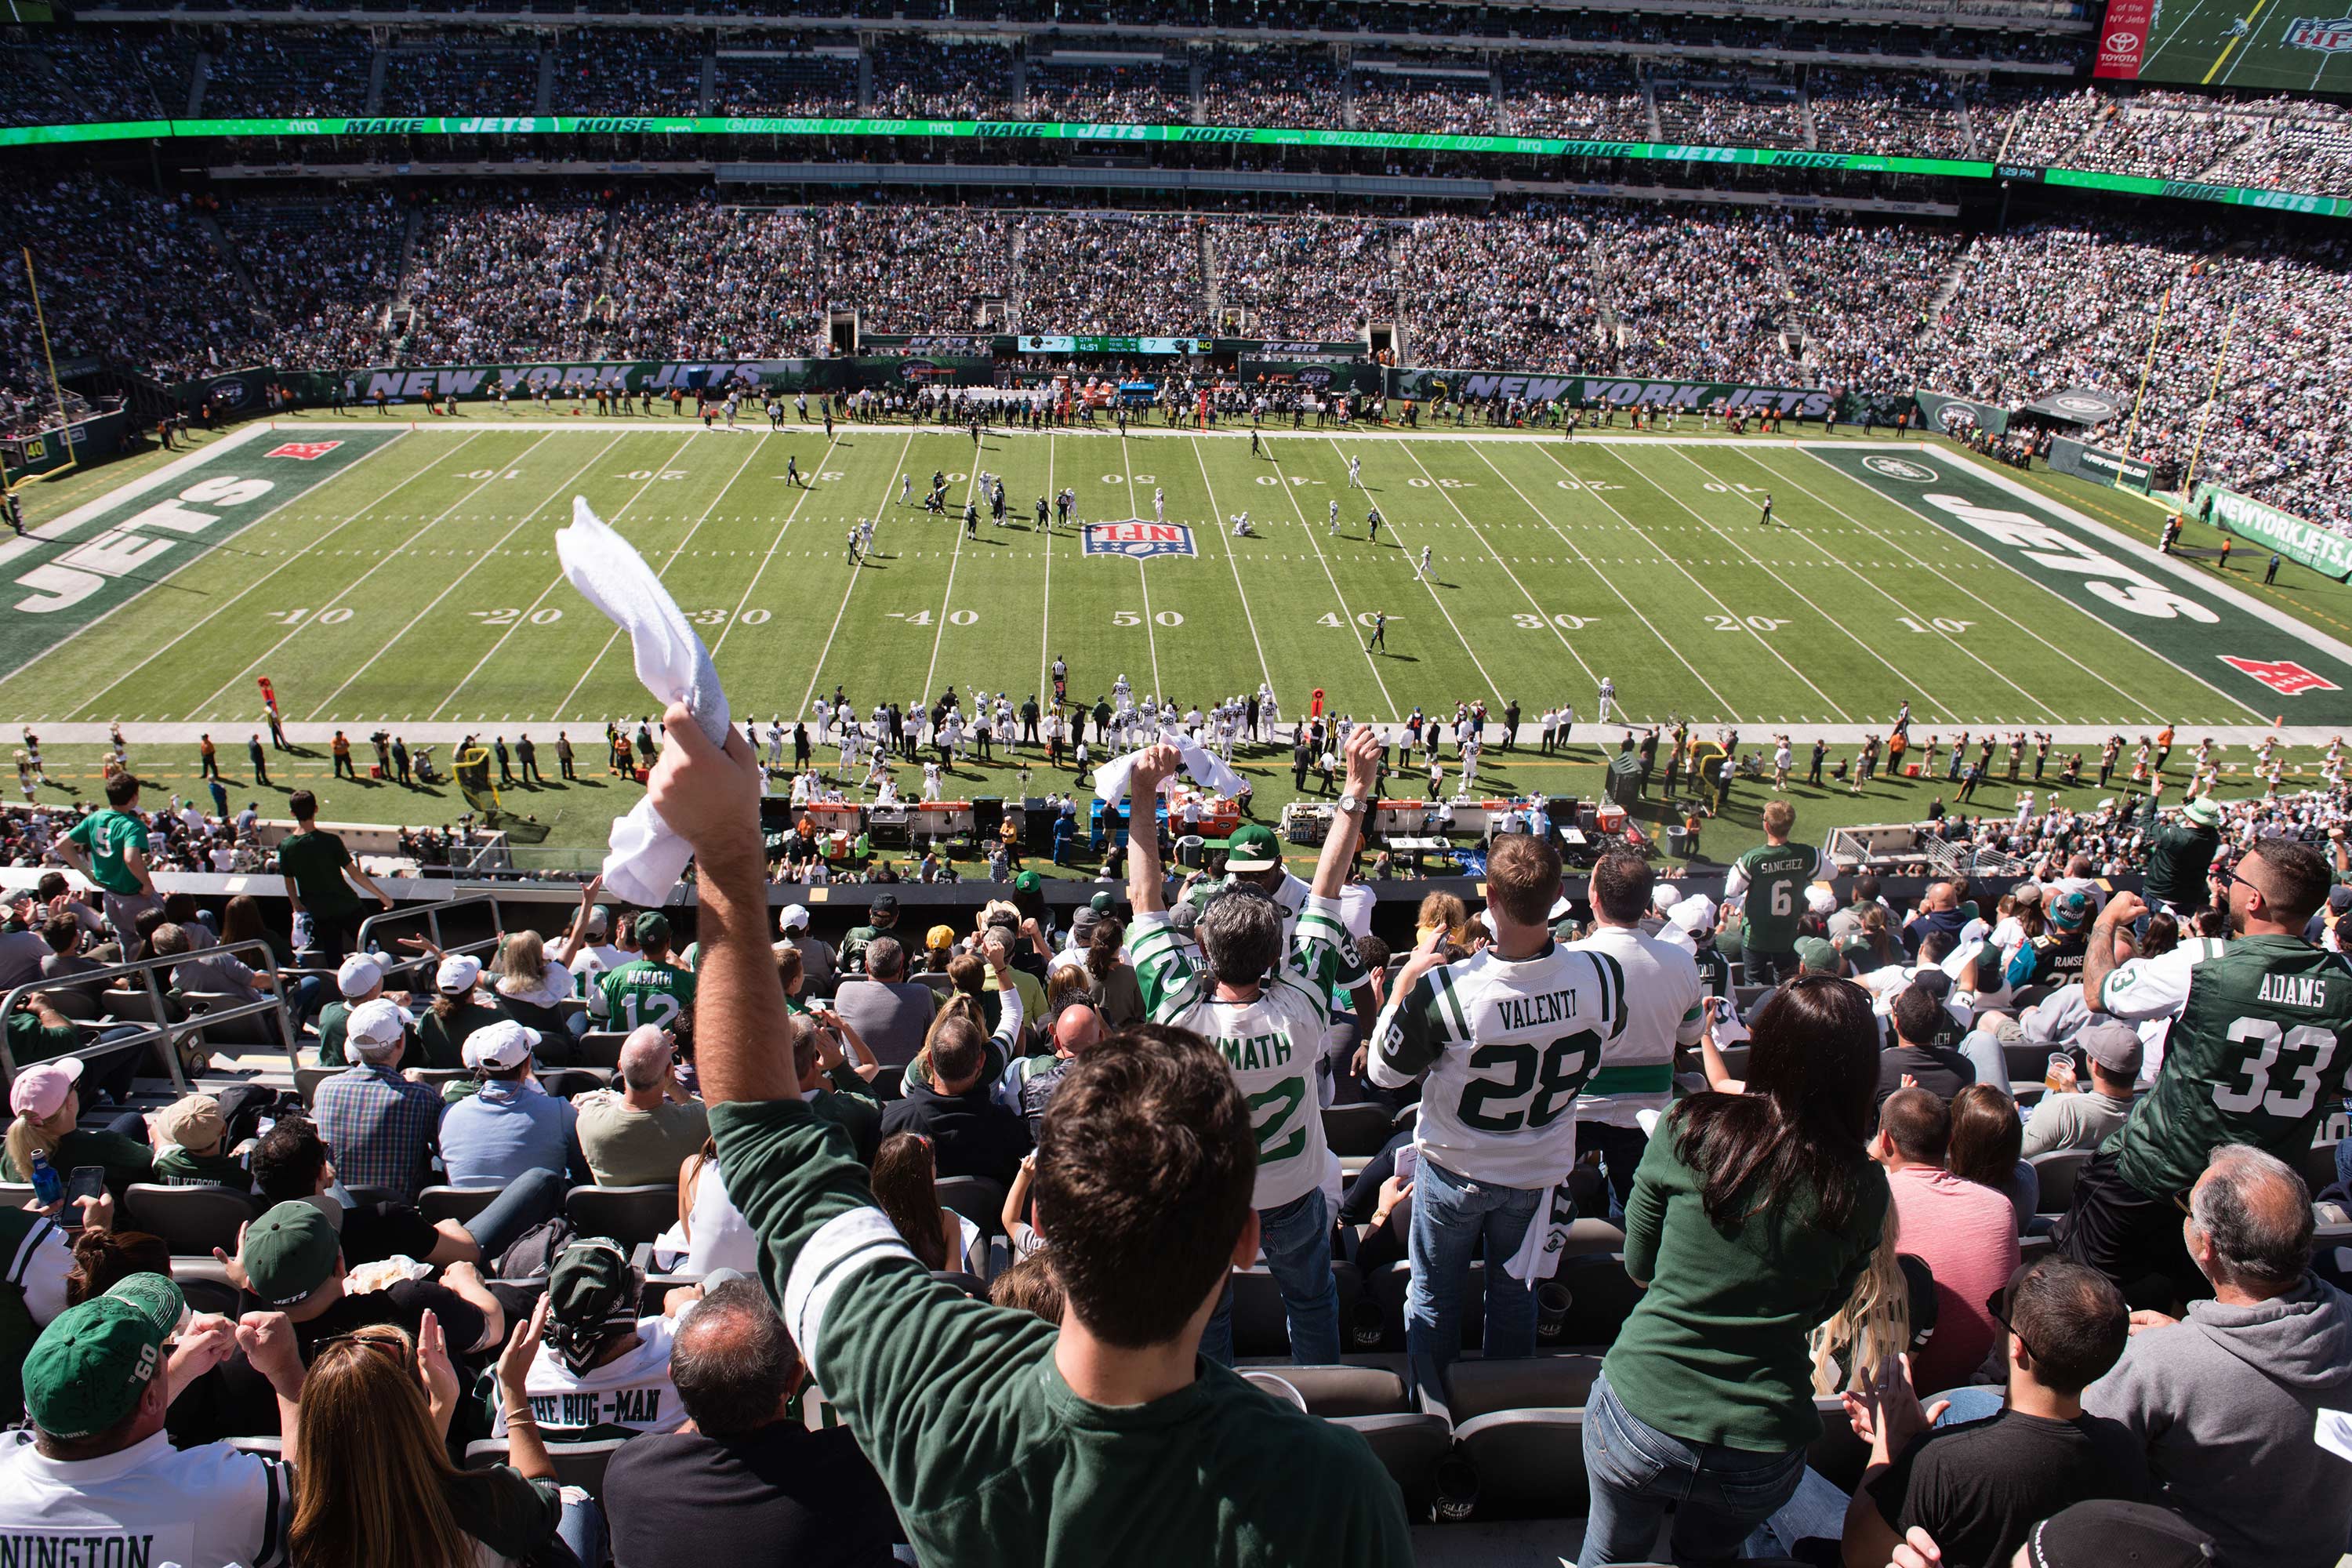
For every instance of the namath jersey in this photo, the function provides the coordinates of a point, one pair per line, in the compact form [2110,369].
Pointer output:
[628,1394]
[1775,877]
[645,991]
[2255,1053]
[1662,987]
[1507,1045]
[151,1503]
[1271,1044]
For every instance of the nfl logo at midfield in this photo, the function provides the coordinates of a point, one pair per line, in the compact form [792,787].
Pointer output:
[2329,37]
[1139,539]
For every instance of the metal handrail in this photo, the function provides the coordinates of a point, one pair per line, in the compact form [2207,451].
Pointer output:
[432,912]
[164,1030]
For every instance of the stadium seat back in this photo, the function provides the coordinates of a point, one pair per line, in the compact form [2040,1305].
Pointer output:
[627,1215]
[2058,1172]
[1476,1388]
[460,1204]
[1529,1463]
[191,1221]
[977,1198]
[1358,1130]
[1410,1447]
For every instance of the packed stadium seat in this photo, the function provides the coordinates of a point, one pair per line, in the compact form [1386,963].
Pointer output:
[460,1204]
[627,1215]
[191,1220]
[578,1465]
[2058,1171]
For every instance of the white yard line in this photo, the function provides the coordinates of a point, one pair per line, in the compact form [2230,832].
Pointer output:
[854,576]
[1730,708]
[1493,689]
[240,595]
[1239,592]
[955,559]
[198,711]
[773,545]
[1045,619]
[519,523]
[1396,714]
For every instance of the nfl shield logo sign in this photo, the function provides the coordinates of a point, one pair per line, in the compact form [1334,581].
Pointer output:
[2283,676]
[1139,539]
[2329,37]
[308,451]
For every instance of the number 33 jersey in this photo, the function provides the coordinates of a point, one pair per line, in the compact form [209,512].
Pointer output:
[1506,1045]
[2255,1053]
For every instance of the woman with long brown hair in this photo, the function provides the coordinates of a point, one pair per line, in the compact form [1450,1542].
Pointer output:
[1117,995]
[376,1489]
[1987,1147]
[906,1186]
[1751,1218]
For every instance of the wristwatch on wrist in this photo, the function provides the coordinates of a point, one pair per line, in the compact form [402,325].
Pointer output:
[1351,804]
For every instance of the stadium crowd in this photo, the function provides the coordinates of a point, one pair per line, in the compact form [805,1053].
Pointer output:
[810,1238]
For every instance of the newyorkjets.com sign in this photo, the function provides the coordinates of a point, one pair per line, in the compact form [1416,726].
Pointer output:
[1616,392]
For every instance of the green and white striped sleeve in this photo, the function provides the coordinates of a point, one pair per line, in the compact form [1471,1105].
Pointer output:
[1166,973]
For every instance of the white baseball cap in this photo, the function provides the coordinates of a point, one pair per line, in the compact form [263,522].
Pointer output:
[1664,896]
[796,917]
[1693,913]
[1820,901]
[358,974]
[457,973]
[378,1022]
[500,1045]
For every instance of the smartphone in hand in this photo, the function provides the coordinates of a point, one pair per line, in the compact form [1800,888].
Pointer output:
[87,1181]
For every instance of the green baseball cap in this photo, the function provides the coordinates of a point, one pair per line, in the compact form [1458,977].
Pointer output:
[1818,956]
[289,1252]
[592,1294]
[1102,903]
[92,1364]
[1253,849]
[653,926]
[1026,882]
[158,1296]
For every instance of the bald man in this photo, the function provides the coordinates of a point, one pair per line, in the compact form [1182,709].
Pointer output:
[1030,1081]
[640,1131]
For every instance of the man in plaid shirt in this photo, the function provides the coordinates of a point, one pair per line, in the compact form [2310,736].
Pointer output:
[382,1127]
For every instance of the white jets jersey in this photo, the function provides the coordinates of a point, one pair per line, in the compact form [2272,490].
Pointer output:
[1661,985]
[1507,1045]
[630,1393]
[200,1507]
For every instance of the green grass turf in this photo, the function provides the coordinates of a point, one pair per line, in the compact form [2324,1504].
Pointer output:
[419,585]
[2196,41]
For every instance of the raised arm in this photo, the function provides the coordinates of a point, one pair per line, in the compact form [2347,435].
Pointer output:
[1363,755]
[1145,879]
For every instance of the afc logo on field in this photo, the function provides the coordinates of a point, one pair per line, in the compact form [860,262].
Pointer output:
[1139,539]
[304,451]
[2283,676]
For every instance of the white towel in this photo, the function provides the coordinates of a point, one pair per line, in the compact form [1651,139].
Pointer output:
[1537,1258]
[642,859]
[1110,778]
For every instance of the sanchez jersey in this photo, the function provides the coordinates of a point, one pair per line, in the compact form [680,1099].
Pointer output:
[2255,1052]
[646,991]
[1661,986]
[1775,877]
[1271,1044]
[1507,1045]
[199,1508]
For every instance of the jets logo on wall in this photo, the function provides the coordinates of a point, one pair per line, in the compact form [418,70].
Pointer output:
[1900,469]
[2328,37]
[228,392]
[2283,676]
[1139,539]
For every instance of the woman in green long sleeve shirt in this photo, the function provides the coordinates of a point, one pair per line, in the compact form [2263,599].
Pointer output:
[1750,1217]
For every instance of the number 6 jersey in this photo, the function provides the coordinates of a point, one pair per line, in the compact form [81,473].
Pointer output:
[1507,1044]
[2254,1055]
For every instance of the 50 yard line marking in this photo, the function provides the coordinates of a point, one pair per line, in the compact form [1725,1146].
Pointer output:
[470,566]
[344,593]
[239,597]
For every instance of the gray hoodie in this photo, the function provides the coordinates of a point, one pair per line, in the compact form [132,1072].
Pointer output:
[2227,1402]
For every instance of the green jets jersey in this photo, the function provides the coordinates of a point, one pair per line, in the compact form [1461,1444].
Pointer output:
[646,991]
[1775,877]
[2255,1054]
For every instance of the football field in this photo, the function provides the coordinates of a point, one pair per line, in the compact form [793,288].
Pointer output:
[2268,44]
[380,575]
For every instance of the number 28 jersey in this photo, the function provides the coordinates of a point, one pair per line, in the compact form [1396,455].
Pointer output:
[1507,1044]
[2254,1055]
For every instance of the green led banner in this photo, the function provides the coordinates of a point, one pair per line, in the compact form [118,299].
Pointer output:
[1263,136]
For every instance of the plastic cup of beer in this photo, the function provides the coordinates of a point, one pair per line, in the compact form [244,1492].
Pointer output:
[2061,1072]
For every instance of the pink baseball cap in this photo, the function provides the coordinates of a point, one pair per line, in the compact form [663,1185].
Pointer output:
[40,1088]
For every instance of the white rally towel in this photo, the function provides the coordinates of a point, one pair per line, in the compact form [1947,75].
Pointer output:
[1110,778]
[642,859]
[1537,1258]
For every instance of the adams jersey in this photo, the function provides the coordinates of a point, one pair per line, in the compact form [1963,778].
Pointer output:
[646,991]
[1271,1045]
[1660,988]
[1775,877]
[2255,1052]
[1507,1045]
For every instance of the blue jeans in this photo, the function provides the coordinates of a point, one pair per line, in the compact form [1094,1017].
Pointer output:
[1297,1239]
[532,1198]
[1636,1472]
[581,1531]
[1450,1215]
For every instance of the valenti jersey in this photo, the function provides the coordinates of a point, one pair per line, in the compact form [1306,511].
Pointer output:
[1507,1045]
[2255,1054]
[151,1503]
[1271,1044]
